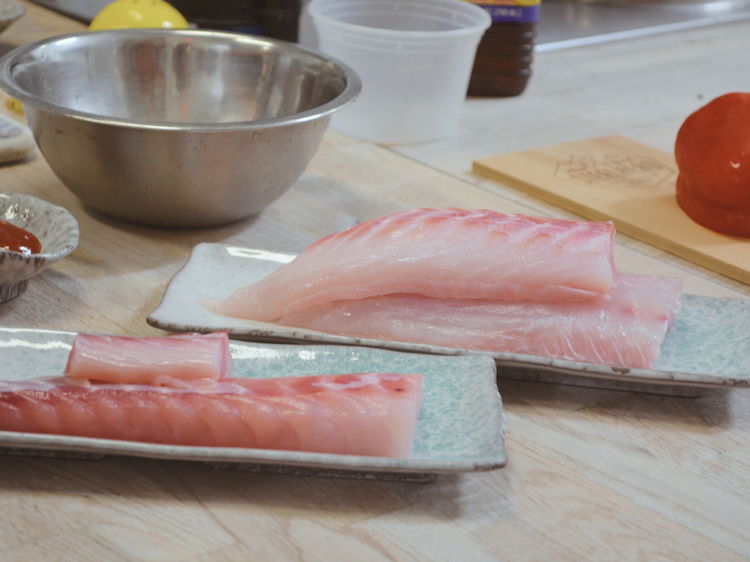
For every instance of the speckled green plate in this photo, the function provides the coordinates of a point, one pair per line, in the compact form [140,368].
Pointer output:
[709,346]
[461,424]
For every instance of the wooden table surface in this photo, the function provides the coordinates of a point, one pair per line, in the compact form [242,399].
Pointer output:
[592,473]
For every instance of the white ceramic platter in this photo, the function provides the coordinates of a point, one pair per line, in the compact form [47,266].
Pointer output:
[461,424]
[708,347]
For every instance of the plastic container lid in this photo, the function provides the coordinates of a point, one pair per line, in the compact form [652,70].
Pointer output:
[397,25]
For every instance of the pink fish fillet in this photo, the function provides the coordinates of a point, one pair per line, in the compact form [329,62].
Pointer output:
[626,330]
[440,253]
[185,360]
[371,414]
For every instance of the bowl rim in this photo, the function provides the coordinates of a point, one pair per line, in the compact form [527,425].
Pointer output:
[18,11]
[31,201]
[344,98]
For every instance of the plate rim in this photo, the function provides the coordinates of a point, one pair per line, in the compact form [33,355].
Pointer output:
[64,443]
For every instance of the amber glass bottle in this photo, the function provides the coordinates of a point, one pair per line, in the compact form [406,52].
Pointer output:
[502,66]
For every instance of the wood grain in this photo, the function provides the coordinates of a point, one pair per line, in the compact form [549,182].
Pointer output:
[630,183]
[593,474]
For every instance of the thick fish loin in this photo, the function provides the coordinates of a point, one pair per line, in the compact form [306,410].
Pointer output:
[184,360]
[371,414]
[626,330]
[439,253]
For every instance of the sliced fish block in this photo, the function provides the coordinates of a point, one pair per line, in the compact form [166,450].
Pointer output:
[372,414]
[184,360]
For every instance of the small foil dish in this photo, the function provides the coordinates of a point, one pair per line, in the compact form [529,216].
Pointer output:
[56,229]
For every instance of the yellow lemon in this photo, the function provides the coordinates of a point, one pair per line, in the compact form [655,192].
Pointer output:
[14,105]
[123,14]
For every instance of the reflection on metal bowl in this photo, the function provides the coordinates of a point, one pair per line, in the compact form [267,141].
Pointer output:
[176,128]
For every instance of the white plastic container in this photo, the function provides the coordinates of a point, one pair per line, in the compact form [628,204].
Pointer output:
[414,58]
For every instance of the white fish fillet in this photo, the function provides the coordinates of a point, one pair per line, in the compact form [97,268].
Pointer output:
[439,253]
[626,330]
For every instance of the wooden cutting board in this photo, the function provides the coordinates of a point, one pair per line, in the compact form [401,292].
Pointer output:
[632,184]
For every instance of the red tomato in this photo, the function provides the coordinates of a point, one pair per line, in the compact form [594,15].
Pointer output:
[713,156]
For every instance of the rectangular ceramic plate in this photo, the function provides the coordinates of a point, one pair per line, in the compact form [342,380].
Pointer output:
[707,347]
[461,424]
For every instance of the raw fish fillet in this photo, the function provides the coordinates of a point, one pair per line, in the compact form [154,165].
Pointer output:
[185,360]
[440,253]
[370,414]
[626,330]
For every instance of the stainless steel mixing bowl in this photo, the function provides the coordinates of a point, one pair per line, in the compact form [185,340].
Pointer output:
[176,128]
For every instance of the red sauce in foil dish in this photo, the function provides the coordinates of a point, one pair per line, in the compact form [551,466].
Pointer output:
[16,239]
